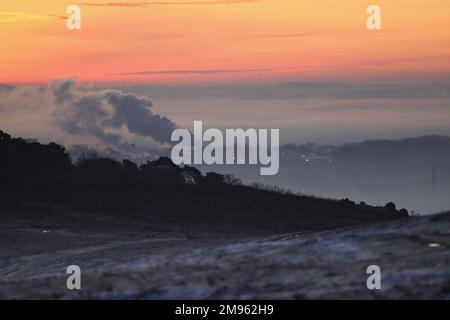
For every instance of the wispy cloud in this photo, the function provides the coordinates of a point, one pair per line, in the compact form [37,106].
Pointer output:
[164,3]
[180,72]
[21,16]
[288,35]
[313,34]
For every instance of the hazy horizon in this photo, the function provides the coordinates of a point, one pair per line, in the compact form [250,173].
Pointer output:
[319,112]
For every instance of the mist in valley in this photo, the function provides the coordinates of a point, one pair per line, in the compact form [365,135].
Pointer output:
[413,173]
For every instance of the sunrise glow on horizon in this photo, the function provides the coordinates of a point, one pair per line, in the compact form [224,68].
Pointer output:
[203,42]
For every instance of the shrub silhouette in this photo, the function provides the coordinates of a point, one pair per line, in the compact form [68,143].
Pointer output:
[213,179]
[21,158]
[34,161]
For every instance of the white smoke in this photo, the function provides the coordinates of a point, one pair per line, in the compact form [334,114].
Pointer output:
[112,119]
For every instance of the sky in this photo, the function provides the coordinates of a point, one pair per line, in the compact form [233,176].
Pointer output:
[137,69]
[223,42]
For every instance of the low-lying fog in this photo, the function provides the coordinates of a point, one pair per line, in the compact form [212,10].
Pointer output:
[413,173]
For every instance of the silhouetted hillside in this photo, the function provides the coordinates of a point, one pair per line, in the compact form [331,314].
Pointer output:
[29,160]
[40,181]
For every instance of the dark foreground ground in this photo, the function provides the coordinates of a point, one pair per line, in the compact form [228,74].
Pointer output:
[188,242]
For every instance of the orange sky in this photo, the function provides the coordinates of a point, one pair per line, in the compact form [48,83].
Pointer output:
[203,42]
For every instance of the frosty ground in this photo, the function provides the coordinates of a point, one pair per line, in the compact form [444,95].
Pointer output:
[413,255]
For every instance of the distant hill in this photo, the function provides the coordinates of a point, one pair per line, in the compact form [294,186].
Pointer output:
[413,171]
[433,143]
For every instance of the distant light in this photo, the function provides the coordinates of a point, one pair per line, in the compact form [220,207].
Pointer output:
[434,245]
[45,231]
